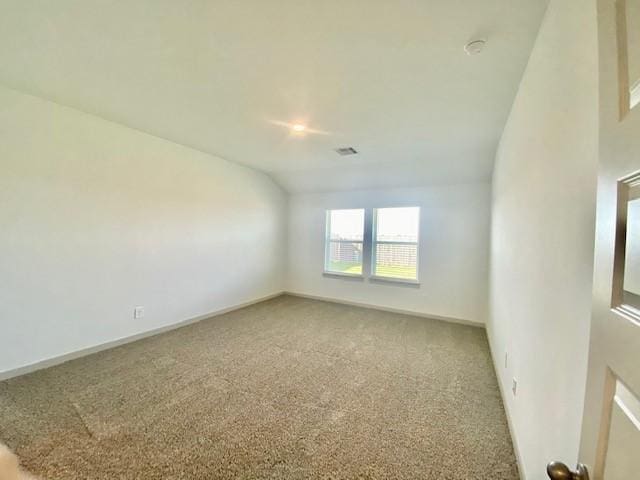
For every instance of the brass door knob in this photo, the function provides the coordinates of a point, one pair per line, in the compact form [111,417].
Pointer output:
[559,471]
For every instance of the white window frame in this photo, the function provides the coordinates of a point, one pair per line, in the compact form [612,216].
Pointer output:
[328,241]
[375,243]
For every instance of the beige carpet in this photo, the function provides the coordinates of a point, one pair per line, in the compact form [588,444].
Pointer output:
[287,389]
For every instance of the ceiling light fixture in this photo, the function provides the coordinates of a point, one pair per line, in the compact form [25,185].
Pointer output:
[475,47]
[298,127]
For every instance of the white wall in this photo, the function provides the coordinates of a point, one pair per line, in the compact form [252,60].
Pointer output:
[544,189]
[454,245]
[96,218]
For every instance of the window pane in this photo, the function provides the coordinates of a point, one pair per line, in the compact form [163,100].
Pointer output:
[397,224]
[396,261]
[346,224]
[345,258]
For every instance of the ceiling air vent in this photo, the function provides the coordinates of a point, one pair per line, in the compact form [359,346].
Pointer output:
[344,151]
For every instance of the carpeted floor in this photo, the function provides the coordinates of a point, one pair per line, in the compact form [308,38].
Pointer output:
[287,389]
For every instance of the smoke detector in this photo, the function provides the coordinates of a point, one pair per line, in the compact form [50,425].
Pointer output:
[344,151]
[475,47]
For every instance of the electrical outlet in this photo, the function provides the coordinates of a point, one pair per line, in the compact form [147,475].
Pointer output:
[138,312]
[514,387]
[506,359]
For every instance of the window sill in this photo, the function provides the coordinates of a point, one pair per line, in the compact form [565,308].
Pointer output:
[355,276]
[401,281]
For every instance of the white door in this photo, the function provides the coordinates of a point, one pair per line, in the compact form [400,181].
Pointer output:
[610,443]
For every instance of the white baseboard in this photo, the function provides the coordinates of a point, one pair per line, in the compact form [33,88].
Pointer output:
[50,362]
[388,309]
[514,440]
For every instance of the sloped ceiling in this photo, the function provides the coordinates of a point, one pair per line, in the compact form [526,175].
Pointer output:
[389,78]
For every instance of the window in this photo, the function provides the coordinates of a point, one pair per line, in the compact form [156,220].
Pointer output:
[395,243]
[390,244]
[344,242]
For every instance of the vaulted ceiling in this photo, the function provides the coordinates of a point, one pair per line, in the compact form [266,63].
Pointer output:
[389,78]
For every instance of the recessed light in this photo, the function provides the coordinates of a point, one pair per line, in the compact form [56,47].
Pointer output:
[298,127]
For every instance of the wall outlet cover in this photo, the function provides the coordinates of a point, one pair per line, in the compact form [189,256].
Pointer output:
[138,312]
[514,387]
